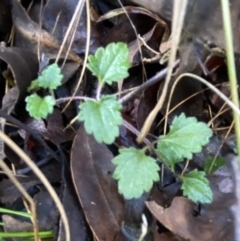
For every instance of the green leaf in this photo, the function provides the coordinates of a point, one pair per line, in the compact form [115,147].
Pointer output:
[34,86]
[186,136]
[102,118]
[40,107]
[196,187]
[219,162]
[135,172]
[110,64]
[169,157]
[50,77]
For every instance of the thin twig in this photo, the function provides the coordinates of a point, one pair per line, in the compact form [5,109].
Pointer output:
[40,163]
[29,199]
[86,53]
[185,167]
[36,135]
[156,78]
[42,178]
[71,26]
[64,99]
[137,39]
[177,23]
[135,131]
[210,86]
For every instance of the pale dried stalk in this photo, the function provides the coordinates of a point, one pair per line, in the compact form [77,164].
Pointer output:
[86,53]
[41,177]
[177,24]
[28,198]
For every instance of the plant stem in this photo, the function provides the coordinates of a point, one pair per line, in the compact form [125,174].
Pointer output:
[231,66]
[185,168]
[135,131]
[64,99]
[99,89]
[43,234]
[19,213]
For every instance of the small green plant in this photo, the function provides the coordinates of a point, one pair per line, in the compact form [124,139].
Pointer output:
[135,170]
[50,78]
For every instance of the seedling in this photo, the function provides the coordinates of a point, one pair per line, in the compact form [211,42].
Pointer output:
[135,170]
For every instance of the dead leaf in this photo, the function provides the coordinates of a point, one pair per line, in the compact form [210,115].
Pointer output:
[213,221]
[154,36]
[135,10]
[9,193]
[96,189]
[203,23]
[203,19]
[29,34]
[23,65]
[77,222]
[180,220]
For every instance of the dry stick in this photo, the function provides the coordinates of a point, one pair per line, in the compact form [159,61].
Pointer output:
[56,22]
[220,128]
[74,28]
[156,78]
[41,177]
[220,147]
[144,228]
[183,101]
[40,163]
[177,23]
[136,34]
[34,133]
[210,86]
[130,127]
[86,53]
[40,27]
[78,11]
[185,167]
[220,112]
[31,202]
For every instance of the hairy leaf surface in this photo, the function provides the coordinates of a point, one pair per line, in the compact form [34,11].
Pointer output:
[39,107]
[102,118]
[135,172]
[111,63]
[196,187]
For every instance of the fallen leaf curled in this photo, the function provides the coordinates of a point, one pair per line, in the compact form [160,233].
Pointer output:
[92,170]
[213,222]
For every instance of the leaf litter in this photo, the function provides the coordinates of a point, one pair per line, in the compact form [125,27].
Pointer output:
[86,184]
